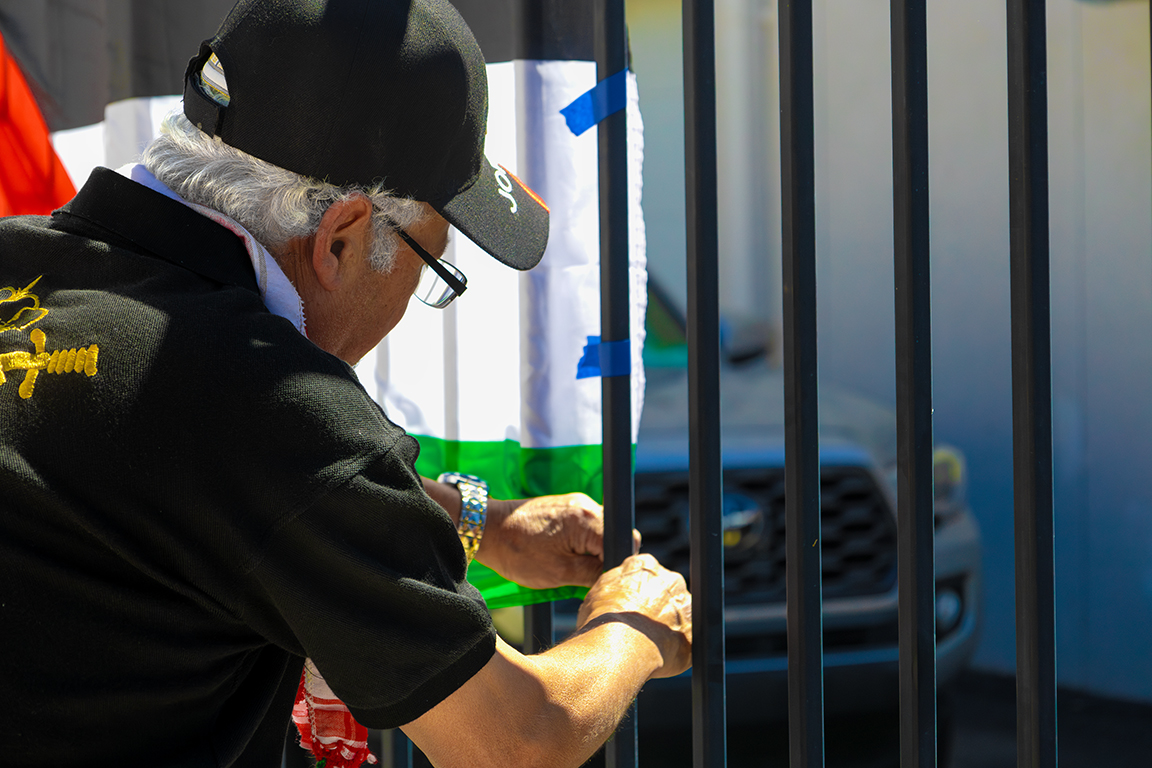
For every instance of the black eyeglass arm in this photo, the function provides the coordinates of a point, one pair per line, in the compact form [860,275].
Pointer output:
[455,283]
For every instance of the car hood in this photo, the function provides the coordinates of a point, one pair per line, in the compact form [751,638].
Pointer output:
[853,429]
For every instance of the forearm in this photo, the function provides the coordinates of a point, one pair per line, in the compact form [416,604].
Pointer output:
[593,678]
[445,495]
[552,709]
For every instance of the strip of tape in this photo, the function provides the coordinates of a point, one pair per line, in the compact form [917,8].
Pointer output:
[609,96]
[609,358]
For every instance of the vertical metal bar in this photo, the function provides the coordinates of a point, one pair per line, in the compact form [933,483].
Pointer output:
[1031,385]
[801,410]
[538,628]
[397,751]
[614,295]
[611,57]
[914,509]
[709,746]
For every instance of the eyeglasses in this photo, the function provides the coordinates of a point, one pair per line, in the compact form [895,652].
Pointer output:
[440,285]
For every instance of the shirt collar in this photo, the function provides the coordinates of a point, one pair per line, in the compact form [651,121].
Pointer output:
[276,289]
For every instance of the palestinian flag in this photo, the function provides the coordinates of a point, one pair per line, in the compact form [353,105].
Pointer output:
[489,385]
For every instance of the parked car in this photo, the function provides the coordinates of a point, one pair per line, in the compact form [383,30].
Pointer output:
[858,495]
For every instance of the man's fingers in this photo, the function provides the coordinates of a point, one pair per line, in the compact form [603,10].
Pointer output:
[589,569]
[643,562]
[593,542]
[590,520]
[577,570]
[641,585]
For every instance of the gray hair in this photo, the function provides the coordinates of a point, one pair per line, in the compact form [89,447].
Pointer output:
[274,204]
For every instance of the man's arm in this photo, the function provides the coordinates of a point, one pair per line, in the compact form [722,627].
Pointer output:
[556,708]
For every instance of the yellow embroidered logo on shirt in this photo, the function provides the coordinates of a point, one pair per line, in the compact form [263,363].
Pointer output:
[82,360]
[23,316]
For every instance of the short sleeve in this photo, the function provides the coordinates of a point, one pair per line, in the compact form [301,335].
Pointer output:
[369,582]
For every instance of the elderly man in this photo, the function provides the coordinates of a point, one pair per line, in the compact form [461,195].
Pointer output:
[196,495]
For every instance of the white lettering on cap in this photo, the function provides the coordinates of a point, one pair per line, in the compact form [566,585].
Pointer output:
[504,185]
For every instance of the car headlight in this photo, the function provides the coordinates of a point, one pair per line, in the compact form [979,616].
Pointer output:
[949,482]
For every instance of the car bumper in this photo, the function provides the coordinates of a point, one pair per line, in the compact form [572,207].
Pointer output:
[856,679]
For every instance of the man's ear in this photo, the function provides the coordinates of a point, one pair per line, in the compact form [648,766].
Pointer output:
[343,237]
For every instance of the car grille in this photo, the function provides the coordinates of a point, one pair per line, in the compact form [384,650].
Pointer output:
[859,534]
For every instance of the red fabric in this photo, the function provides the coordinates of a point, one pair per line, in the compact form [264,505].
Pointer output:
[327,729]
[32,178]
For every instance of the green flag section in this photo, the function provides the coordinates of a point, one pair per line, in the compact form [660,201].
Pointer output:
[513,472]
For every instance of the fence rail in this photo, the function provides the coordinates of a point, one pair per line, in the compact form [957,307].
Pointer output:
[1031,385]
[705,504]
[914,505]
[611,46]
[801,389]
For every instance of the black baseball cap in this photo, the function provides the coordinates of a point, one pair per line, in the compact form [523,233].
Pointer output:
[367,91]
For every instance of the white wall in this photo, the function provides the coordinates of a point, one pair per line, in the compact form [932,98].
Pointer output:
[1102,341]
[1101,249]
[1101,232]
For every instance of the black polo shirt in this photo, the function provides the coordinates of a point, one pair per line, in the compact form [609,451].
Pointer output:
[193,498]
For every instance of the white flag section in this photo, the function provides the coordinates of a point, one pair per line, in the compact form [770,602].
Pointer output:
[489,385]
[128,127]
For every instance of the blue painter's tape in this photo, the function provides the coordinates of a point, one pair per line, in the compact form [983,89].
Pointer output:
[589,365]
[610,358]
[607,97]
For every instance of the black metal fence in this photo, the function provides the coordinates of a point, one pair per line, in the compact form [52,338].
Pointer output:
[1036,668]
[1036,686]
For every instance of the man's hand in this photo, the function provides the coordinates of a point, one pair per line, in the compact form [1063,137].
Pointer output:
[549,541]
[650,598]
[540,543]
[556,708]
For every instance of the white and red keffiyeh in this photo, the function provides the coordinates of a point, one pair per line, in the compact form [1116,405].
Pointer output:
[327,728]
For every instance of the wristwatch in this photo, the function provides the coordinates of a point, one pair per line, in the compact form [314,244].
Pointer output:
[473,509]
